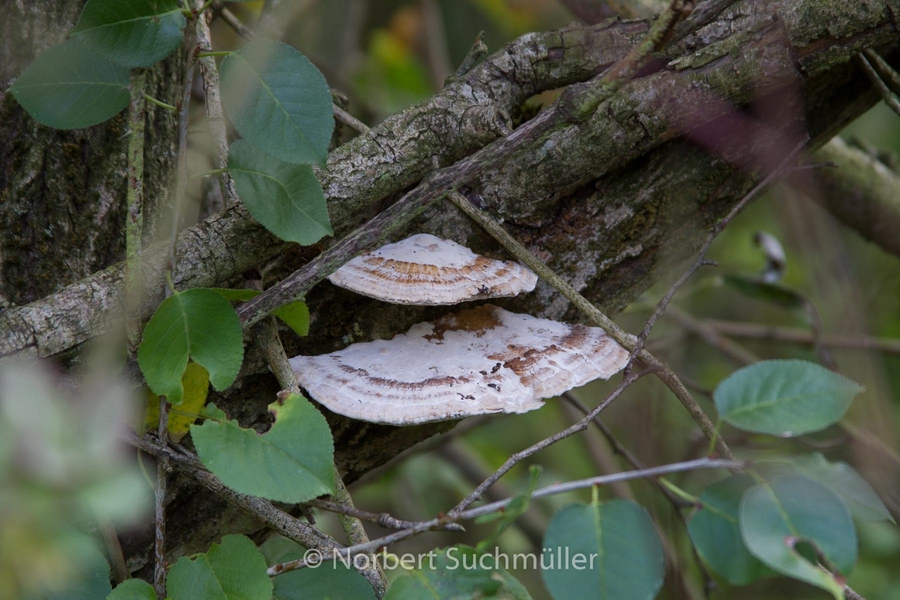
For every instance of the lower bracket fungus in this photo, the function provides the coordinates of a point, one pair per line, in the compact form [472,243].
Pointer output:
[478,361]
[427,270]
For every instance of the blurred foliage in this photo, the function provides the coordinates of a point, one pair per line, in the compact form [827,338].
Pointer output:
[63,474]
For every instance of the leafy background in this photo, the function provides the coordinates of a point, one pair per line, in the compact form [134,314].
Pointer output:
[390,55]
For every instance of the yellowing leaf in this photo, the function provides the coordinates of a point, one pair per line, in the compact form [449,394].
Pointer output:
[196,388]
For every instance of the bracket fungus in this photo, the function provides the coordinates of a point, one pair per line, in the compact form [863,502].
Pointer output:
[477,361]
[427,270]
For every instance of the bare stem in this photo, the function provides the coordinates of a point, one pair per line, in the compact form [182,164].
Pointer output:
[886,94]
[162,474]
[134,219]
[356,535]
[263,510]
[535,448]
[214,113]
[760,331]
[442,521]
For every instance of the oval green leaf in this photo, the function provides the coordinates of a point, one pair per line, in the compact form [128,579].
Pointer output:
[716,536]
[294,314]
[292,462]
[279,101]
[133,589]
[608,550]
[286,199]
[331,580]
[459,572]
[69,87]
[843,480]
[233,571]
[774,518]
[784,397]
[136,33]
[197,323]
[765,291]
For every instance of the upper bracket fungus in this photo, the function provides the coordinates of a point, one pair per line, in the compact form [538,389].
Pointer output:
[427,270]
[477,361]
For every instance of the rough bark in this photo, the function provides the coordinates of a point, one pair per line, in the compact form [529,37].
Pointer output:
[62,209]
[611,205]
[865,196]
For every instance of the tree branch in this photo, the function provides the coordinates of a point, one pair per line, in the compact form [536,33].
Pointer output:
[862,193]
[473,111]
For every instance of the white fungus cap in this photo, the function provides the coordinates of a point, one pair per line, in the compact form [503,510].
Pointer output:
[427,270]
[478,361]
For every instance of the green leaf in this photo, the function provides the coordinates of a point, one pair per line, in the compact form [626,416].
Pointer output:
[198,323]
[716,536]
[843,480]
[331,580]
[70,87]
[458,573]
[278,101]
[516,508]
[784,397]
[292,462]
[295,314]
[233,571]
[133,589]
[136,33]
[774,518]
[287,199]
[618,549]
[772,293]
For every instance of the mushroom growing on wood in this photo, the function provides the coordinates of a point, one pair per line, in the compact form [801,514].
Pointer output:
[426,270]
[477,361]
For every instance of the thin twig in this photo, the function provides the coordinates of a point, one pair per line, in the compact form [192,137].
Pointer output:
[651,472]
[735,352]
[349,120]
[618,447]
[443,520]
[233,22]
[162,474]
[546,442]
[793,335]
[886,94]
[885,71]
[437,57]
[478,49]
[470,466]
[383,519]
[356,535]
[214,113]
[263,510]
[182,174]
[134,218]
[116,556]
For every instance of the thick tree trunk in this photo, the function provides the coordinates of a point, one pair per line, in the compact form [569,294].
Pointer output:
[612,205]
[62,193]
